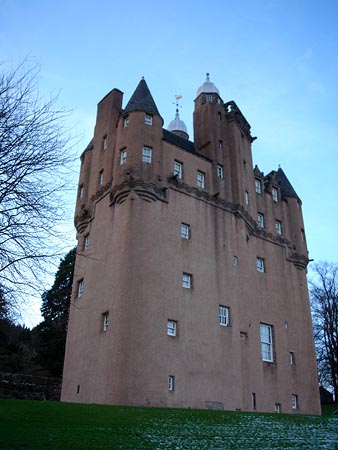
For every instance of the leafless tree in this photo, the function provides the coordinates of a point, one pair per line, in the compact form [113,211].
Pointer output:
[34,156]
[324,302]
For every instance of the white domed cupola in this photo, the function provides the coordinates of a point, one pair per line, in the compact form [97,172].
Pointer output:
[208,87]
[177,126]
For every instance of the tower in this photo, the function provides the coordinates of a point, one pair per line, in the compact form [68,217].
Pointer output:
[190,278]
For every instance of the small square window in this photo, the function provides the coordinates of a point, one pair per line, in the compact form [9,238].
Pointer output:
[171,383]
[123,156]
[224,315]
[125,121]
[104,142]
[260,264]
[208,98]
[187,280]
[258,186]
[79,291]
[105,320]
[146,154]
[220,145]
[200,179]
[101,178]
[266,342]
[294,401]
[148,119]
[220,171]
[277,408]
[278,227]
[86,242]
[185,231]
[260,220]
[274,193]
[178,169]
[171,328]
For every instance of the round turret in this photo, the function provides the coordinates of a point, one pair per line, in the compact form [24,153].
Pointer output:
[178,127]
[207,87]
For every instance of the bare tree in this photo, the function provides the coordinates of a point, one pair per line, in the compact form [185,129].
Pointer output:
[34,157]
[324,302]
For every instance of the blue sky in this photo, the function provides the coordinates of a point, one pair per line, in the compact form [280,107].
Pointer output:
[278,59]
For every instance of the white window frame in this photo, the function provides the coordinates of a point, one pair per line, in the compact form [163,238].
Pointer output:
[247,198]
[105,318]
[101,177]
[223,315]
[125,121]
[278,227]
[147,154]
[208,98]
[123,156]
[278,408]
[258,186]
[104,142]
[235,260]
[178,169]
[185,231]
[220,171]
[260,264]
[200,179]
[171,383]
[294,401]
[266,339]
[81,191]
[292,358]
[79,290]
[274,193]
[260,220]
[148,119]
[186,280]
[86,242]
[171,328]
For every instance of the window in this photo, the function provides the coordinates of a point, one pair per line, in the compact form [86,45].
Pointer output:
[223,315]
[104,142]
[260,220]
[123,156]
[208,98]
[79,291]
[81,191]
[187,280]
[294,401]
[292,358]
[220,171]
[303,235]
[171,328]
[266,342]
[101,178]
[253,398]
[105,317]
[220,145]
[246,198]
[171,383]
[146,154]
[274,193]
[258,186]
[200,179]
[260,265]
[125,121]
[185,231]
[219,116]
[148,120]
[277,408]
[178,169]
[78,389]
[278,227]
[86,242]
[235,260]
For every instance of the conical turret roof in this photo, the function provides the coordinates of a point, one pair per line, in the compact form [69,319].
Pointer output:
[142,100]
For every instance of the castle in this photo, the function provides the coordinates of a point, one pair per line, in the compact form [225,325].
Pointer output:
[190,279]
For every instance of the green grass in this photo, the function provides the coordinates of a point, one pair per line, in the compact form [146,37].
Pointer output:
[53,425]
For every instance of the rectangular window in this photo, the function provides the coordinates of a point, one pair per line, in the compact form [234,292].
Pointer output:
[171,382]
[148,120]
[220,145]
[200,179]
[171,328]
[123,156]
[220,171]
[178,169]
[277,408]
[185,231]
[224,315]
[79,291]
[266,342]
[260,264]
[101,178]
[258,186]
[246,198]
[105,318]
[86,242]
[278,227]
[294,401]
[274,193]
[104,142]
[125,121]
[81,191]
[292,358]
[235,260]
[260,220]
[253,401]
[146,154]
[187,280]
[208,98]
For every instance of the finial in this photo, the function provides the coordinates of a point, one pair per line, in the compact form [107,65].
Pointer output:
[178,97]
[142,78]
[208,74]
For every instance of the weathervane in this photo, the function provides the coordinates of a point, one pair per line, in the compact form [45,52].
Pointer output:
[178,97]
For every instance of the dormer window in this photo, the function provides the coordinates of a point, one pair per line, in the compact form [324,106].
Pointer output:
[274,193]
[258,186]
[148,119]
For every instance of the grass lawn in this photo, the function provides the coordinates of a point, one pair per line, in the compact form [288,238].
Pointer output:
[54,425]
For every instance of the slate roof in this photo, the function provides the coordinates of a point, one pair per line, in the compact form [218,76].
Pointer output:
[142,100]
[286,187]
[178,141]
